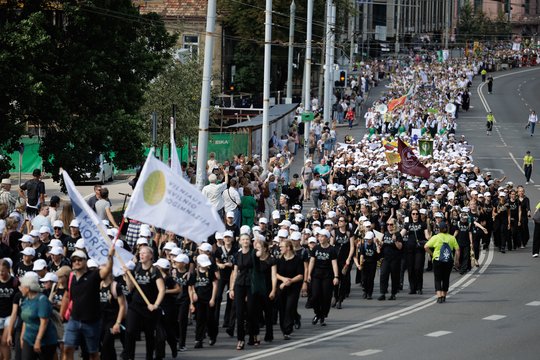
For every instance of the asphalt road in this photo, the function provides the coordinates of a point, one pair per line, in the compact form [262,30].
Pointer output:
[492,311]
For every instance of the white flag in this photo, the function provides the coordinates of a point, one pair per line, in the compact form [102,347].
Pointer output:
[166,200]
[96,241]
[175,162]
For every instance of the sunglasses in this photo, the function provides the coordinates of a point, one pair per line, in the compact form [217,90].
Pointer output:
[414,213]
[76,259]
[57,228]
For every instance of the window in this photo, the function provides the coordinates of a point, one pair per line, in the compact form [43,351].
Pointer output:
[191,44]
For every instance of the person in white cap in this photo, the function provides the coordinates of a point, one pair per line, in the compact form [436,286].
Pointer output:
[58,231]
[224,257]
[231,198]
[231,225]
[290,275]
[85,317]
[323,276]
[344,245]
[214,192]
[391,250]
[26,263]
[74,235]
[203,291]
[40,248]
[57,259]
[501,214]
[6,197]
[168,319]
[143,316]
[367,263]
[417,235]
[180,273]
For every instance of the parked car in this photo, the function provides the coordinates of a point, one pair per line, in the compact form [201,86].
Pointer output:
[106,171]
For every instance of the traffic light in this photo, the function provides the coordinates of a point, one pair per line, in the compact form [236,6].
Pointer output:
[343,78]
[231,88]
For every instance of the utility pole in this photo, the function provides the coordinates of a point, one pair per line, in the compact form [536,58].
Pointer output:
[204,115]
[266,83]
[447,23]
[328,66]
[307,98]
[398,17]
[291,51]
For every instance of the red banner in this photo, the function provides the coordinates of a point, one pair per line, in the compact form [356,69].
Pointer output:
[394,103]
[409,162]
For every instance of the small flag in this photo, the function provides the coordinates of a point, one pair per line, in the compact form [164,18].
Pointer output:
[166,200]
[425,147]
[392,158]
[409,162]
[394,103]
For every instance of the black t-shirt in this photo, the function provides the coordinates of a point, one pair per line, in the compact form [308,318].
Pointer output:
[85,297]
[69,243]
[369,251]
[54,268]
[389,249]
[464,229]
[169,299]
[41,252]
[245,267]
[8,290]
[147,281]
[21,269]
[183,282]
[323,261]
[108,302]
[290,268]
[222,257]
[189,248]
[202,282]
[416,237]
[34,188]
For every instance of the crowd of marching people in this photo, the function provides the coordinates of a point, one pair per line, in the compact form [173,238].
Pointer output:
[368,215]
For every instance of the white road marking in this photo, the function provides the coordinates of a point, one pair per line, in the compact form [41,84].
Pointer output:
[326,336]
[366,352]
[438,333]
[533,303]
[494,317]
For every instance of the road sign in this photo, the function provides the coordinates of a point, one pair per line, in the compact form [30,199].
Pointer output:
[308,116]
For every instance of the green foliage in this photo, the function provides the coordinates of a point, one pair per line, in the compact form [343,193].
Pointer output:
[475,25]
[81,78]
[179,84]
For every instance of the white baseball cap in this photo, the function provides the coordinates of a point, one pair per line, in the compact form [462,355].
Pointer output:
[27,239]
[34,233]
[74,223]
[49,277]
[176,251]
[183,258]
[230,214]
[169,246]
[55,243]
[203,260]
[296,236]
[163,263]
[324,232]
[80,244]
[245,229]
[205,247]
[56,251]
[39,265]
[263,220]
[58,224]
[142,241]
[312,240]
[92,264]
[145,232]
[29,251]
[228,233]
[369,235]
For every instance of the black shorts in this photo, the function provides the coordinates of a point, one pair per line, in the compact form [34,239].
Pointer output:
[31,213]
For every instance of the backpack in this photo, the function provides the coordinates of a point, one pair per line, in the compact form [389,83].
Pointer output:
[445,254]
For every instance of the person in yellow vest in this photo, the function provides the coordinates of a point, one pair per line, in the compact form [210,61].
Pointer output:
[489,123]
[528,161]
[484,74]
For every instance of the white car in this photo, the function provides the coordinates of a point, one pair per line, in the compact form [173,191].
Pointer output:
[106,171]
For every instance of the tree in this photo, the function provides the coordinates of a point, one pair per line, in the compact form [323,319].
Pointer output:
[85,86]
[179,84]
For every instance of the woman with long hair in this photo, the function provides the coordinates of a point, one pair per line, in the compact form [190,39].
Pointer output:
[241,291]
[67,215]
[264,287]
[8,289]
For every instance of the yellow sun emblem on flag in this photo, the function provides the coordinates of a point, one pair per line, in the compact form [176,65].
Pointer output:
[154,188]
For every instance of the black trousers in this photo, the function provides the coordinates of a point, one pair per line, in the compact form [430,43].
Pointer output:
[204,315]
[288,307]
[183,320]
[107,339]
[514,234]
[477,238]
[536,239]
[528,172]
[321,295]
[465,258]
[228,317]
[369,269]
[415,268]
[28,353]
[167,327]
[244,306]
[343,289]
[390,268]
[264,308]
[135,323]
[441,272]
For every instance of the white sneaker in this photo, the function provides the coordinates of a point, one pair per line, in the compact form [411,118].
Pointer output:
[535,255]
[527,183]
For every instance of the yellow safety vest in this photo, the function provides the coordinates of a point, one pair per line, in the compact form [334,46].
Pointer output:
[528,160]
